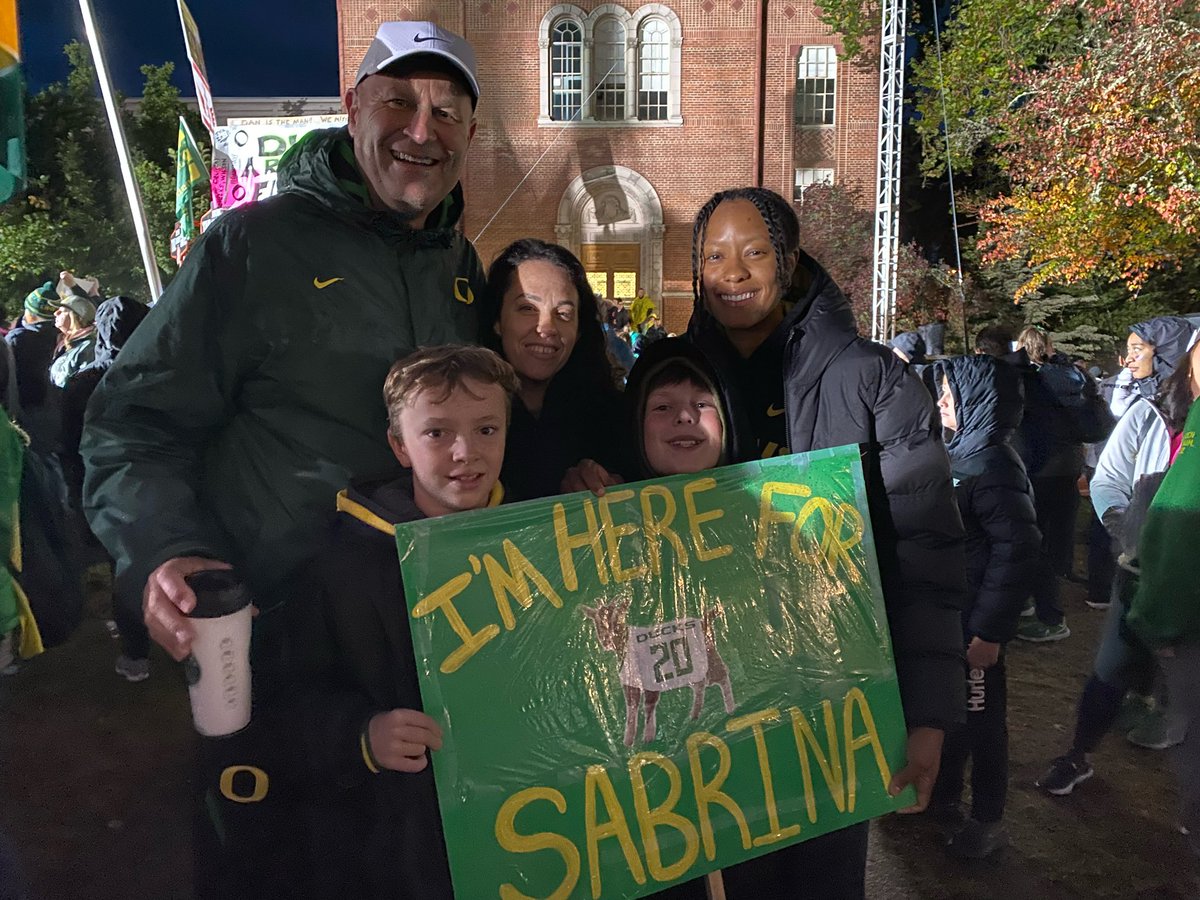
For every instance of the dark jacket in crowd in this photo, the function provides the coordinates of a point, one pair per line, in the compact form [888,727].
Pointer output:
[1048,440]
[33,346]
[116,318]
[911,344]
[993,493]
[839,389]
[576,422]
[737,439]
[374,834]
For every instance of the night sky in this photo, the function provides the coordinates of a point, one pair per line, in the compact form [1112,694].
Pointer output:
[252,48]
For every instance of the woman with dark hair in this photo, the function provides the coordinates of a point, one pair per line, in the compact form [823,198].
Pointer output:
[1140,449]
[780,331]
[546,322]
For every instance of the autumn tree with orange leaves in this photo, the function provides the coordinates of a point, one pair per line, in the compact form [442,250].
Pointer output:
[1103,150]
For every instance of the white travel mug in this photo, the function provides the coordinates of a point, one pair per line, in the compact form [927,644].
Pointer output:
[218,671]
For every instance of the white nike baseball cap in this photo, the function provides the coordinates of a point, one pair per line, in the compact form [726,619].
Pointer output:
[395,41]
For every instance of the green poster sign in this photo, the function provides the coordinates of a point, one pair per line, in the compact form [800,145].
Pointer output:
[641,688]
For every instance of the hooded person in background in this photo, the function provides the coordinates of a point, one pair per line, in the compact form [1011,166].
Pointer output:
[250,395]
[910,347]
[1151,352]
[980,406]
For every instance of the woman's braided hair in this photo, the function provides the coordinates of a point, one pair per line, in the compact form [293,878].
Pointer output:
[782,226]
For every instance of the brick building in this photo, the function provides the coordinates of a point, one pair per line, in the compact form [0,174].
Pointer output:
[630,116]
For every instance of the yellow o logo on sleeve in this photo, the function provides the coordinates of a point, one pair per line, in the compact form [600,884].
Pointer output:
[463,292]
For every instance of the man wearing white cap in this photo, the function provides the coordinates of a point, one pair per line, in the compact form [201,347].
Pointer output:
[251,394]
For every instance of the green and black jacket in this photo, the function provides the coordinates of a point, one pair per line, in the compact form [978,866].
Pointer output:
[252,393]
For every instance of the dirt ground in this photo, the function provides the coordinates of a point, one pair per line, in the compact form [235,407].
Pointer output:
[93,788]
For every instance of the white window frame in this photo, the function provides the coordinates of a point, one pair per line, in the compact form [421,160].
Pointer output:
[818,62]
[806,177]
[632,23]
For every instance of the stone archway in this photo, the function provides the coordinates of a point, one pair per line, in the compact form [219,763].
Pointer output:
[614,205]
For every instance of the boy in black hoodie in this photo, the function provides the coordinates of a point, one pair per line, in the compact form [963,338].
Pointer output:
[375,827]
[980,403]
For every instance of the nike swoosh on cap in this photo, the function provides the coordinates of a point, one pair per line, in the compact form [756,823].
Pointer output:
[422,38]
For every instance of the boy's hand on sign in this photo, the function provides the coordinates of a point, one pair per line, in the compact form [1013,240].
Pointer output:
[400,737]
[924,759]
[167,599]
[588,475]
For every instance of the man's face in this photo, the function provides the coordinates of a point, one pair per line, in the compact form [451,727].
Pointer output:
[455,447]
[681,431]
[411,136]
[1139,357]
[740,286]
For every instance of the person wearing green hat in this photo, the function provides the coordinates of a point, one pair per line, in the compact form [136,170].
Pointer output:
[33,342]
[74,318]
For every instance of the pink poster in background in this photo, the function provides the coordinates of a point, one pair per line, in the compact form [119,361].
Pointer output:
[246,155]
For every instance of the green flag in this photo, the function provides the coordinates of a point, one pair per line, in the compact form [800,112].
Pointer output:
[190,175]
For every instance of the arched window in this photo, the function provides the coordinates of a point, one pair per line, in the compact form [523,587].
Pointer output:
[566,70]
[816,84]
[654,69]
[608,68]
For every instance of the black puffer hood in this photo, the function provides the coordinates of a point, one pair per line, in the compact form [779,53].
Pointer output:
[738,446]
[911,344]
[322,167]
[116,318]
[987,402]
[1170,336]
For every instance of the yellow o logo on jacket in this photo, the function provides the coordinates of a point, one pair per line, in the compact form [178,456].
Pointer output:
[463,292]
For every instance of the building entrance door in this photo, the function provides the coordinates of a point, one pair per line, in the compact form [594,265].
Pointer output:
[613,270]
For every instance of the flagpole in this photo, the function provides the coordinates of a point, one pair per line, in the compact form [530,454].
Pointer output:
[132,192]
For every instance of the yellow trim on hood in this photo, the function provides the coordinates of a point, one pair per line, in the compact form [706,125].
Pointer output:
[364,515]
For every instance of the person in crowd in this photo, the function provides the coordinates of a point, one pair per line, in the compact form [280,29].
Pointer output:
[363,735]
[1165,611]
[994,340]
[32,343]
[241,406]
[651,331]
[116,319]
[980,407]
[616,326]
[1149,350]
[76,347]
[1138,451]
[781,334]
[910,347]
[546,324]
[1053,456]
[1101,565]
[641,309]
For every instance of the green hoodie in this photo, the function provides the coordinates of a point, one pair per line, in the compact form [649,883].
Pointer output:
[252,393]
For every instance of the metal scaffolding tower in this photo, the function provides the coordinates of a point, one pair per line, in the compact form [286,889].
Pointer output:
[887,180]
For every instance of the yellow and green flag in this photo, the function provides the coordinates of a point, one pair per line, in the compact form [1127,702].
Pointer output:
[12,118]
[190,175]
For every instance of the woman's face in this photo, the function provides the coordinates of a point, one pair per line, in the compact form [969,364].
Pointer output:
[539,320]
[63,320]
[946,406]
[1139,357]
[740,283]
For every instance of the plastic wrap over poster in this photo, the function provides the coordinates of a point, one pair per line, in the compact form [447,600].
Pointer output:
[246,155]
[642,688]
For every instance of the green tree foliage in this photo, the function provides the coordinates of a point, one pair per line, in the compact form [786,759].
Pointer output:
[75,215]
[987,48]
[857,21]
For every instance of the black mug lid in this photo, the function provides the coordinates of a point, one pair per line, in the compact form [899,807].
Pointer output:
[219,592]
